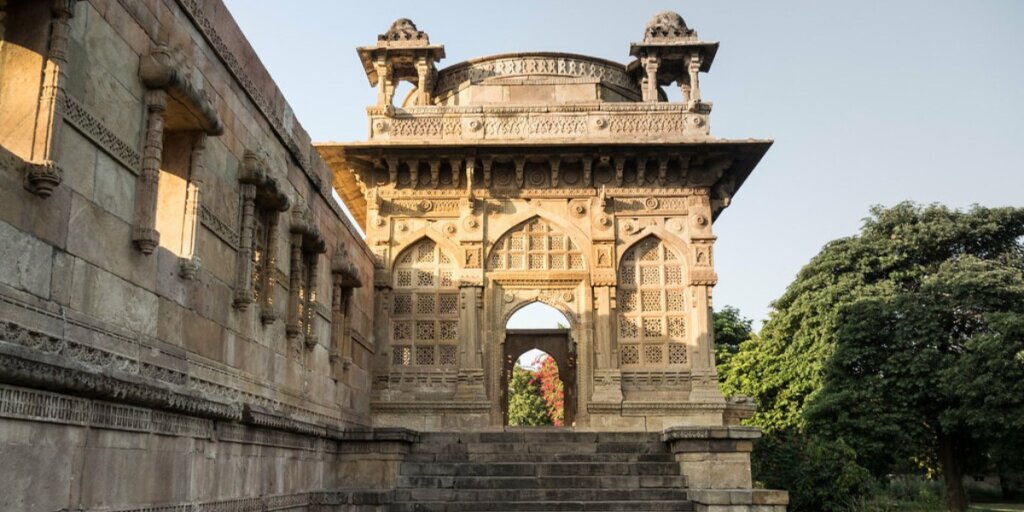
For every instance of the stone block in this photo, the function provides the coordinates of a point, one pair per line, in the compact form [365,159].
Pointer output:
[25,261]
[109,298]
[115,187]
[41,465]
[78,160]
[104,240]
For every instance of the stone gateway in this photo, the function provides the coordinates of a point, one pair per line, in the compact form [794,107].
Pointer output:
[189,321]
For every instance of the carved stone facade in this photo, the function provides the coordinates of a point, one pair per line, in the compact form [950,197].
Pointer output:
[549,177]
[188,320]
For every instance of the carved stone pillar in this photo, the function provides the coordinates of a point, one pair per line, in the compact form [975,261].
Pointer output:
[144,233]
[693,67]
[294,326]
[340,351]
[188,266]
[650,89]
[243,290]
[311,299]
[385,89]
[470,386]
[42,173]
[423,85]
[268,313]
[603,333]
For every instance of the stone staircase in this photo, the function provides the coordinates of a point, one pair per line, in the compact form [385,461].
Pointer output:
[540,470]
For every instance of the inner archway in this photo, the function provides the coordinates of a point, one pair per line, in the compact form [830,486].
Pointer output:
[538,359]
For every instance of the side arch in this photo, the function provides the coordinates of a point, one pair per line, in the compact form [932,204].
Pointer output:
[450,249]
[572,244]
[664,236]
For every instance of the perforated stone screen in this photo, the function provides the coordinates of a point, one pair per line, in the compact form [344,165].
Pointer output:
[535,245]
[424,308]
[651,307]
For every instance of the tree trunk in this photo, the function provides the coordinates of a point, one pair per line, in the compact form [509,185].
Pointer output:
[952,472]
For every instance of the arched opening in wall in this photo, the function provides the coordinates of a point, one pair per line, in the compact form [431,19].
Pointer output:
[539,368]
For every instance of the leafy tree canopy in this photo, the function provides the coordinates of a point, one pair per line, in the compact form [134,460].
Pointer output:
[906,341]
[526,406]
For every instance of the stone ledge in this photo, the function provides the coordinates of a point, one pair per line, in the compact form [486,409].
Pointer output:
[755,497]
[710,433]
[330,498]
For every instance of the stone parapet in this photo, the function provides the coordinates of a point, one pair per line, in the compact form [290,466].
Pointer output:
[616,122]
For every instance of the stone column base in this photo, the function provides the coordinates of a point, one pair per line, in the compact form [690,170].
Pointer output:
[716,464]
[738,500]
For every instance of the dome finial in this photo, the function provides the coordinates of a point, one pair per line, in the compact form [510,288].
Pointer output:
[667,25]
[405,31]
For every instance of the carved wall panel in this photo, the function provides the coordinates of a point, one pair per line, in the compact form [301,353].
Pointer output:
[535,245]
[651,302]
[424,307]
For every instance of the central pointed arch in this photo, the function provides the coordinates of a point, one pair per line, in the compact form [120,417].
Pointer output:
[536,244]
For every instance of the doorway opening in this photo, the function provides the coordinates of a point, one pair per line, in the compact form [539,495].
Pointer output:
[539,369]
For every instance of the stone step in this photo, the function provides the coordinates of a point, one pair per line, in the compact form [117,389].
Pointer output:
[538,436]
[602,468]
[544,506]
[463,456]
[542,447]
[556,495]
[532,482]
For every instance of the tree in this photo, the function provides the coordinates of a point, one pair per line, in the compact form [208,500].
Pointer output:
[902,308]
[551,388]
[731,329]
[526,407]
[933,372]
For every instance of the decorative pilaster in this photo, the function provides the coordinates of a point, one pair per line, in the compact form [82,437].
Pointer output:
[144,233]
[42,174]
[188,266]
[309,308]
[243,277]
[268,310]
[341,350]
[294,326]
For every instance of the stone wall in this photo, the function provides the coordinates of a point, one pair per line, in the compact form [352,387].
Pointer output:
[125,336]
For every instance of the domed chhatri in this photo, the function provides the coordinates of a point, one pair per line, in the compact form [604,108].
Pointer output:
[667,25]
[670,53]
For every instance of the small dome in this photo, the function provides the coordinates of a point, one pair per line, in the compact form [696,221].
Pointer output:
[403,29]
[666,25]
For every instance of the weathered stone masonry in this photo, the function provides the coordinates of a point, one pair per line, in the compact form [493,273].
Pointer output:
[188,321]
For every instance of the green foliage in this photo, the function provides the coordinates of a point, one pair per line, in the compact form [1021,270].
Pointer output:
[551,389]
[905,495]
[820,475]
[905,341]
[731,329]
[526,406]
[784,366]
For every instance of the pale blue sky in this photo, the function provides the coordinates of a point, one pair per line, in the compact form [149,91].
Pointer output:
[869,102]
